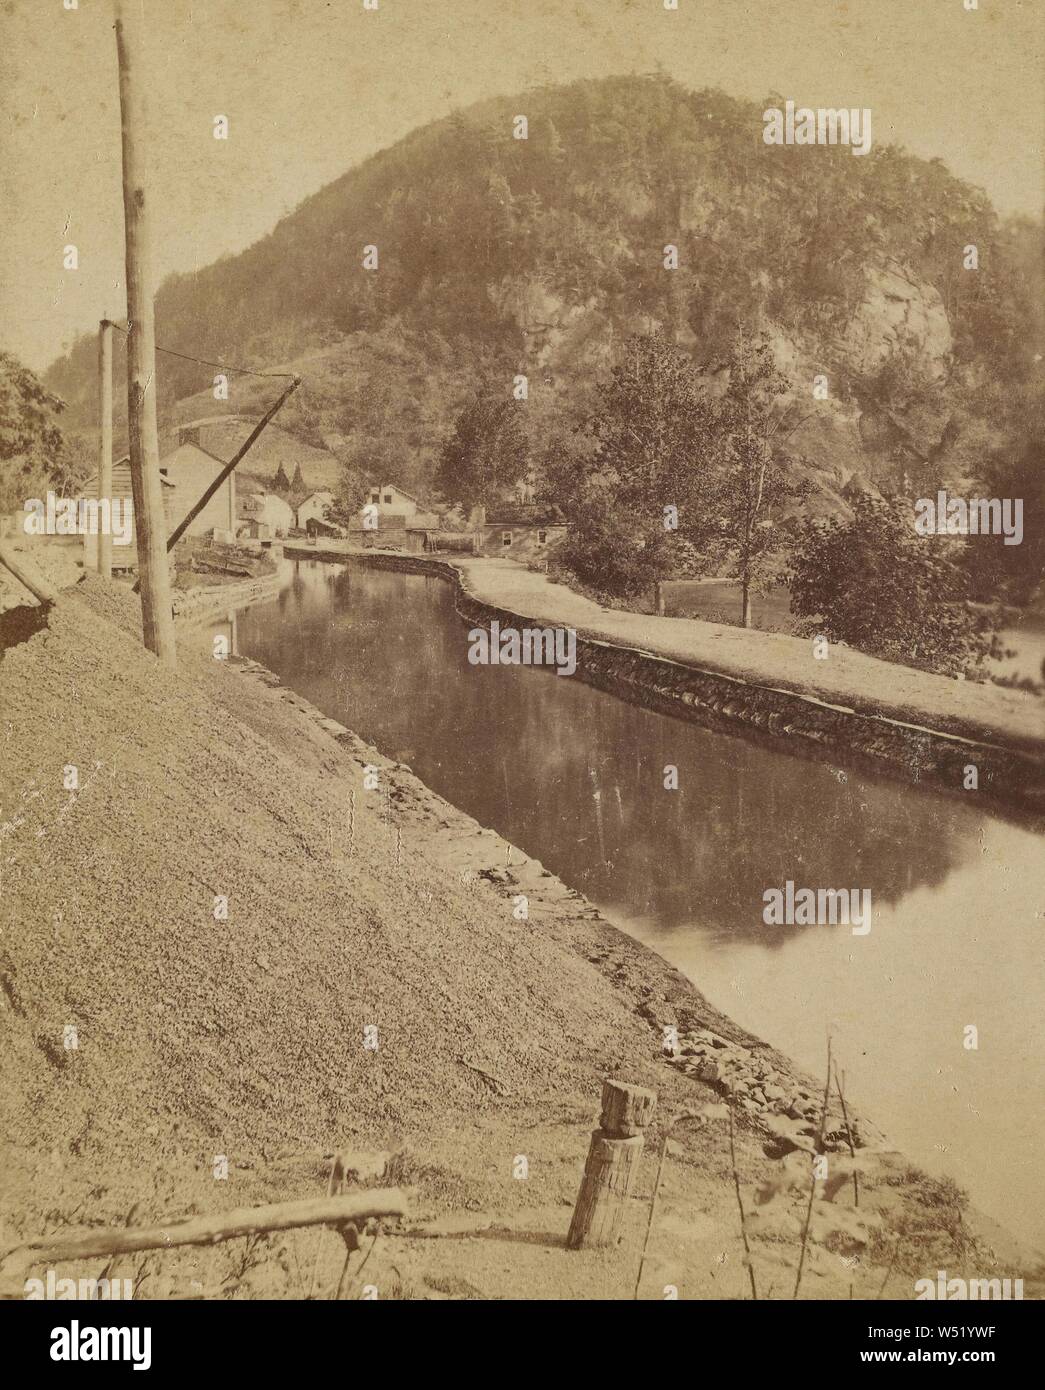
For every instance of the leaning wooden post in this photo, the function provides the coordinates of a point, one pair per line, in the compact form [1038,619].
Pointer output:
[34,582]
[613,1158]
[149,526]
[105,442]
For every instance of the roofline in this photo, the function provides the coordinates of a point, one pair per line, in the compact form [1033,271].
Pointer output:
[191,444]
[212,420]
[118,463]
[401,490]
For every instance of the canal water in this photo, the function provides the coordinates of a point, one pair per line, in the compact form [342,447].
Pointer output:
[575,777]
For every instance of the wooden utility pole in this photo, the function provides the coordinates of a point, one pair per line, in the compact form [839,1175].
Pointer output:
[609,1173]
[149,526]
[105,442]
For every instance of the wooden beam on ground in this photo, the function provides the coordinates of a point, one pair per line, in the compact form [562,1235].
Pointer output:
[34,582]
[611,1167]
[149,523]
[205,1230]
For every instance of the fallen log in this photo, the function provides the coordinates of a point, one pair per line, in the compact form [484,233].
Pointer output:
[205,1230]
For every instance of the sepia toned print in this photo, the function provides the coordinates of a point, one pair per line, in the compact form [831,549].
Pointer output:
[364,366]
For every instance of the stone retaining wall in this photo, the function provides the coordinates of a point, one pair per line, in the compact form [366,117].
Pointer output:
[804,725]
[203,601]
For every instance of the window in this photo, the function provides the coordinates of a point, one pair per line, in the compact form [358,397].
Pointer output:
[388,497]
[164,472]
[506,537]
[375,497]
[542,537]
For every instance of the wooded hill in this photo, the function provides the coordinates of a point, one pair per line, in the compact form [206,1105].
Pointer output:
[499,256]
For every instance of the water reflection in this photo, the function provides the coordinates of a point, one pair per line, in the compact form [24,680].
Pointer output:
[576,777]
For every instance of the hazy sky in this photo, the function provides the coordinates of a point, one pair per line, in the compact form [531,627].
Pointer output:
[311,87]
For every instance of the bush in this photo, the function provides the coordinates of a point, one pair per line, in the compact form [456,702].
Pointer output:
[606,555]
[874,583]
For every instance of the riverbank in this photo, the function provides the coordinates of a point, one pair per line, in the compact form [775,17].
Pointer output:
[199,1036]
[850,707]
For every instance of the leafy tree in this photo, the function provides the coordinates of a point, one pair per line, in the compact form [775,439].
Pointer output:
[349,498]
[647,434]
[751,481]
[1012,573]
[608,556]
[872,582]
[33,452]
[648,424]
[486,454]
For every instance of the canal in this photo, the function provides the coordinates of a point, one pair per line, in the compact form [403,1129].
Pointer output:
[575,777]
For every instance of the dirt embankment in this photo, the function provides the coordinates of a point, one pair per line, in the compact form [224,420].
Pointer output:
[205,918]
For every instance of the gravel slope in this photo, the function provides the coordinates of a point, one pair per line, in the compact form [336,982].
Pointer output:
[248,1031]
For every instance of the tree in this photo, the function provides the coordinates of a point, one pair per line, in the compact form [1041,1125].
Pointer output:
[281,483]
[33,452]
[486,454]
[872,582]
[298,485]
[650,425]
[1012,573]
[751,480]
[352,491]
[648,436]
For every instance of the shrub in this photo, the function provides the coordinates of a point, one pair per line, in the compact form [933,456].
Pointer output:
[872,582]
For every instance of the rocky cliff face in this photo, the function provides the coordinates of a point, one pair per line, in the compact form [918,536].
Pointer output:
[898,313]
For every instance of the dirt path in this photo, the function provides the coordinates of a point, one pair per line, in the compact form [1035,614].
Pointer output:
[847,677]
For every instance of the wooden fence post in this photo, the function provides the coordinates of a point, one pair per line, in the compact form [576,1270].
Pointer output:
[609,1173]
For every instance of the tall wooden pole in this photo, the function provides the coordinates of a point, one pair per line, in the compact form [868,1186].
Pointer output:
[150,530]
[105,441]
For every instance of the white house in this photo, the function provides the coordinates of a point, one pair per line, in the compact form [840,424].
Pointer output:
[393,501]
[191,469]
[224,435]
[264,515]
[313,508]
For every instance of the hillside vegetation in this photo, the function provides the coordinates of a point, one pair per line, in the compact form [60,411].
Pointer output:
[540,256]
